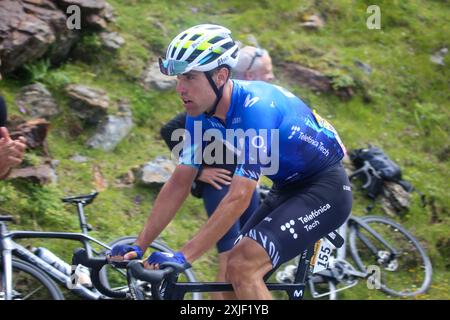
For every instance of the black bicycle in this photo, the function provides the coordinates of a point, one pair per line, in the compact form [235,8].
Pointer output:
[29,276]
[387,256]
[164,284]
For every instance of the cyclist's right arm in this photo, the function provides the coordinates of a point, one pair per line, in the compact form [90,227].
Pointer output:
[171,196]
[167,203]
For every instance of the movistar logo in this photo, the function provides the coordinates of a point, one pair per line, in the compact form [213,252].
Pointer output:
[249,102]
[298,293]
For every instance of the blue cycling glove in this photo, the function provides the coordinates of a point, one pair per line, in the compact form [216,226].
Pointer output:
[122,249]
[160,257]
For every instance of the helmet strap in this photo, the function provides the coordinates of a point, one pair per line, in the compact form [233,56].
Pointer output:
[217,91]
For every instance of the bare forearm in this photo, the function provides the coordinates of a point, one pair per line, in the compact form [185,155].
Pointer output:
[166,205]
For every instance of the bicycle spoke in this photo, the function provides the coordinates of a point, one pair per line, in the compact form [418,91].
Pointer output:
[32,292]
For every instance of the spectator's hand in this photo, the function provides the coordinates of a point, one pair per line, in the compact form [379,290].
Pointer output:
[215,177]
[122,252]
[11,151]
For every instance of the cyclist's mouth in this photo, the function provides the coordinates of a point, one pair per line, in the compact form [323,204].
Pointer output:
[187,103]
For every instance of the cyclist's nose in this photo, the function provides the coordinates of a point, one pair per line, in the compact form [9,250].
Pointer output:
[180,88]
[270,77]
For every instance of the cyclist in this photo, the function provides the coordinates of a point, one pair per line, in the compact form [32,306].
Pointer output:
[296,148]
[11,151]
[213,180]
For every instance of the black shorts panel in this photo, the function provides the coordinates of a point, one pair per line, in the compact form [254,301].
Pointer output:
[294,218]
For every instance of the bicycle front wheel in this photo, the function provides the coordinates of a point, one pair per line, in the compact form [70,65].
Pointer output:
[406,274]
[30,283]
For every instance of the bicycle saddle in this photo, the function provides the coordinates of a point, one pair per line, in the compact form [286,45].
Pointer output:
[84,198]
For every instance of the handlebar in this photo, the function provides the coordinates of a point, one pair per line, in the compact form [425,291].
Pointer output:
[153,276]
[80,256]
[135,271]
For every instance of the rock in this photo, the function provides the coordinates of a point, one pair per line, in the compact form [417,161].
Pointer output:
[395,199]
[32,29]
[79,159]
[112,40]
[34,131]
[438,57]
[90,105]
[112,130]
[313,79]
[23,35]
[153,78]
[94,13]
[312,22]
[43,174]
[156,172]
[37,101]
[307,77]
[364,67]
[89,6]
[108,13]
[57,20]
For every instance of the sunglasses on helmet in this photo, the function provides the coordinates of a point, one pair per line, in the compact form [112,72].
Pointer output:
[172,67]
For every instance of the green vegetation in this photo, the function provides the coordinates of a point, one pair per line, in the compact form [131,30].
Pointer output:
[402,106]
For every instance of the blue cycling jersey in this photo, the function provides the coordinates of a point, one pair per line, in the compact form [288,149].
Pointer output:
[267,130]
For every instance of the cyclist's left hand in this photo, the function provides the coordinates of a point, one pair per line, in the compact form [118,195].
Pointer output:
[156,258]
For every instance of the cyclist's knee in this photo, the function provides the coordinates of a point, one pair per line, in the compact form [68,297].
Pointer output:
[247,260]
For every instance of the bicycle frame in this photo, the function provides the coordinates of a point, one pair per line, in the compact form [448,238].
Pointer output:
[10,248]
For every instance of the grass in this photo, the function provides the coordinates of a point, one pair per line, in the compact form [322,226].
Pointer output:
[407,113]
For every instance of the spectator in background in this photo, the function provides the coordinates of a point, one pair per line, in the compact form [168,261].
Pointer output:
[212,181]
[253,64]
[11,151]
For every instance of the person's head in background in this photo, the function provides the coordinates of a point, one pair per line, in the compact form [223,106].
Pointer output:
[253,64]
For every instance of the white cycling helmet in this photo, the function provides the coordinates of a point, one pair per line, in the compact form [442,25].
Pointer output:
[200,48]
